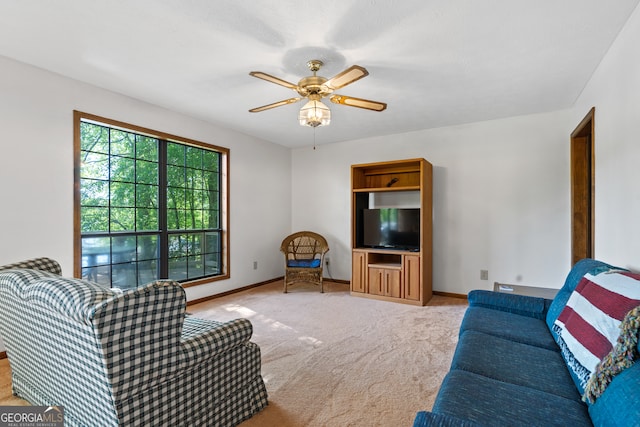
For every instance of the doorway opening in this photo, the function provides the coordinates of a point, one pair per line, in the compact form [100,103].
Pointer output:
[583,189]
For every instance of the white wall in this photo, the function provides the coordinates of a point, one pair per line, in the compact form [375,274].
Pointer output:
[614,90]
[501,198]
[36,173]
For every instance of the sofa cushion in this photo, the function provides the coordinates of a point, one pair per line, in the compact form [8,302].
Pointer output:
[514,363]
[576,273]
[518,304]
[488,401]
[619,405]
[587,328]
[514,327]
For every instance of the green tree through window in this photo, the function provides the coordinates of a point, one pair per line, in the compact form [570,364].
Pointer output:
[150,207]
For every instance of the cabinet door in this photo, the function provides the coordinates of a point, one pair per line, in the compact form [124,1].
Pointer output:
[411,267]
[376,281]
[393,283]
[358,272]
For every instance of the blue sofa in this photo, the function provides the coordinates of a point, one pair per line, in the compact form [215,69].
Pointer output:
[511,366]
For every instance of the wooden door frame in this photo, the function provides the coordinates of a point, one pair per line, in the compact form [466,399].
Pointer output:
[583,189]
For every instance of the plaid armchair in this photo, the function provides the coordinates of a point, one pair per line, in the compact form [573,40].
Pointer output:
[124,358]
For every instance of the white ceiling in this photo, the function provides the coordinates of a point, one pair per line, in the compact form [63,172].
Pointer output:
[435,62]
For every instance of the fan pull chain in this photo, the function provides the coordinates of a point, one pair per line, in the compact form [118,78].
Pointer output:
[314,138]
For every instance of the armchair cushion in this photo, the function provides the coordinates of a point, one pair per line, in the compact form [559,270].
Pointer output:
[303,263]
[72,297]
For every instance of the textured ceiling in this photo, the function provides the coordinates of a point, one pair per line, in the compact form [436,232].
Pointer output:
[434,62]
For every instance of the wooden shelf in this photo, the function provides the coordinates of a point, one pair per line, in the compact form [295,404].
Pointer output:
[383,189]
[387,266]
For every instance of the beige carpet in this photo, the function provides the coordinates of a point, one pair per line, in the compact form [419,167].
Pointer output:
[336,360]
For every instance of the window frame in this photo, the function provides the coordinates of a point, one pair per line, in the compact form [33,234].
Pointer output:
[78,117]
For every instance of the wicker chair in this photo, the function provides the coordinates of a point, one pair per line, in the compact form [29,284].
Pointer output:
[303,258]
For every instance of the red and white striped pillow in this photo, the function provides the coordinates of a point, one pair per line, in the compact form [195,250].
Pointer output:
[588,325]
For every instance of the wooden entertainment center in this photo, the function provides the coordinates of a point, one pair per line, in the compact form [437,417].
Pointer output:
[392,274]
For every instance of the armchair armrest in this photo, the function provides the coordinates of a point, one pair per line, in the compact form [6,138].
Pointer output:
[424,419]
[518,304]
[202,338]
[42,264]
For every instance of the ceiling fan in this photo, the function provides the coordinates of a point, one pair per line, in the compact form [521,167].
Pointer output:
[314,113]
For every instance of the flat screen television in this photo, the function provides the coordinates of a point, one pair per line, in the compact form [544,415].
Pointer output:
[392,228]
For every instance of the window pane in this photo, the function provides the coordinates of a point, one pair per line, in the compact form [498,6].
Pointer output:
[148,248]
[147,272]
[194,157]
[123,219]
[146,172]
[211,264]
[123,249]
[122,143]
[194,179]
[175,176]
[195,267]
[95,166]
[175,154]
[210,161]
[94,219]
[146,148]
[212,183]
[94,193]
[175,197]
[146,196]
[177,245]
[195,243]
[146,219]
[94,138]
[123,194]
[178,268]
[213,219]
[123,169]
[95,251]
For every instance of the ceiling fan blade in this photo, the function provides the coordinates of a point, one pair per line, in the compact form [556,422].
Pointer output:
[272,79]
[358,102]
[346,77]
[275,104]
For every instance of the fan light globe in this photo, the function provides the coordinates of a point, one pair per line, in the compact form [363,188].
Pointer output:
[314,114]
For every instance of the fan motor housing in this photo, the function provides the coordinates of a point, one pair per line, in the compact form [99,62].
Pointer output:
[313,84]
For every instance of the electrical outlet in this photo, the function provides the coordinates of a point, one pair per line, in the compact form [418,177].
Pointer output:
[255,265]
[484,274]
[326,261]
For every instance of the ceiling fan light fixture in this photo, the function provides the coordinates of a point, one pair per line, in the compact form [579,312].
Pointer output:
[314,113]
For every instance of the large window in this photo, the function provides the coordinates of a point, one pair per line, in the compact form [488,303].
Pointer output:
[147,205]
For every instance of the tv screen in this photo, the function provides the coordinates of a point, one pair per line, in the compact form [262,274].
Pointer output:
[394,228]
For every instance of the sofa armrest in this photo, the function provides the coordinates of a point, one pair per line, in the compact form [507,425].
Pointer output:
[202,338]
[424,419]
[529,306]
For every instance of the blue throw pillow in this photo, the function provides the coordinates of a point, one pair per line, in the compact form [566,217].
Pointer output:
[304,263]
